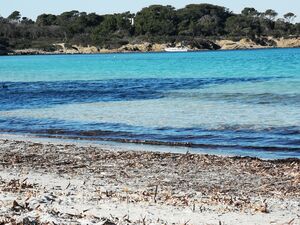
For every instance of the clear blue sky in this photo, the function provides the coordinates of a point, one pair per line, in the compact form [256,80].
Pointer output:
[32,8]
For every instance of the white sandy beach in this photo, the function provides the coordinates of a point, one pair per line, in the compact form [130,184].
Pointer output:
[62,183]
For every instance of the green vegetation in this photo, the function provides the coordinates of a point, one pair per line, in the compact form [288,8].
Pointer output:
[155,23]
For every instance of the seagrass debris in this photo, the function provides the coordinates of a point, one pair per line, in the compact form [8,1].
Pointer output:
[198,183]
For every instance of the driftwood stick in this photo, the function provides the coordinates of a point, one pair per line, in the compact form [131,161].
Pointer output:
[155,194]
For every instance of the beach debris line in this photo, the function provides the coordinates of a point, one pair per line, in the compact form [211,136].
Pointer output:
[60,184]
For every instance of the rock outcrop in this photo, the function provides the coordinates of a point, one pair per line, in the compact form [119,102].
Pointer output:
[76,49]
[265,42]
[143,47]
[241,44]
[288,43]
[203,44]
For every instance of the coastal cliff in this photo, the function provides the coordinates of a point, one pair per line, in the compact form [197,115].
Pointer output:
[268,42]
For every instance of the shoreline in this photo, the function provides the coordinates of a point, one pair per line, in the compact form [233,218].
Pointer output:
[135,146]
[38,53]
[64,183]
[146,47]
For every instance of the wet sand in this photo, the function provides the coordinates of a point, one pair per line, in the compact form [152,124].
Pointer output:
[63,183]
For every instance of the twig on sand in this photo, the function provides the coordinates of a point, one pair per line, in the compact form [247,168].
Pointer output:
[186,223]
[155,194]
[291,221]
[68,186]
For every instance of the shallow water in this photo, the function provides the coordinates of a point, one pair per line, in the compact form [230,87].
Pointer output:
[230,101]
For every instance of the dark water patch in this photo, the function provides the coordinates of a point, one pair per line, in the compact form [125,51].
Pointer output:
[245,98]
[226,137]
[27,95]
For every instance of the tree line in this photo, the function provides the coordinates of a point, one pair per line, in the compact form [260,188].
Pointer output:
[156,23]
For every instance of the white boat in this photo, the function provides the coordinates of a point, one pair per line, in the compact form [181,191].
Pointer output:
[176,49]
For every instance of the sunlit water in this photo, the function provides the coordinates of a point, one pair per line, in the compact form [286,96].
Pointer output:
[242,102]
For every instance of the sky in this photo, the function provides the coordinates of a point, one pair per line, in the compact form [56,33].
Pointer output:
[33,8]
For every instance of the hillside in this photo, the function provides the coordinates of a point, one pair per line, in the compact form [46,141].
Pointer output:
[198,26]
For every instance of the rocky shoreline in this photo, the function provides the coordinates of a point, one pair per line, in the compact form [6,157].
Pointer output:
[267,42]
[44,182]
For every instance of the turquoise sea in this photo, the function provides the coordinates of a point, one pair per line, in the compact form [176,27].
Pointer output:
[237,102]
